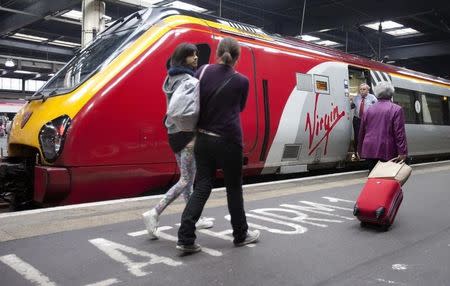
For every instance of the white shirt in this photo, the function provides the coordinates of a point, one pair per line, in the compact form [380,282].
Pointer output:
[369,100]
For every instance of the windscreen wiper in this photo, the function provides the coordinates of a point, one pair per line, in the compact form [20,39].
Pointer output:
[41,95]
[123,22]
[36,96]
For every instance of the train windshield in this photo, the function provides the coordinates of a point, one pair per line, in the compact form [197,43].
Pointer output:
[97,55]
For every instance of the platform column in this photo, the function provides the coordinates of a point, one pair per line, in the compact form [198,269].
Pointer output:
[93,21]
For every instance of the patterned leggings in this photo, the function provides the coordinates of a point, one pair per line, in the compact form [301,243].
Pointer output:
[186,163]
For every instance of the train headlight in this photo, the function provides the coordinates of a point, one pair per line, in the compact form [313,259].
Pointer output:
[52,135]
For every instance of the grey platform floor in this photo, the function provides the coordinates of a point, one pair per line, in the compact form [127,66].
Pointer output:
[308,237]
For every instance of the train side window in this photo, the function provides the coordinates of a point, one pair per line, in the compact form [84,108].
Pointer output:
[446,107]
[204,52]
[406,99]
[432,109]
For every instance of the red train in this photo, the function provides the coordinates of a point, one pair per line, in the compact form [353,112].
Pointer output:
[95,131]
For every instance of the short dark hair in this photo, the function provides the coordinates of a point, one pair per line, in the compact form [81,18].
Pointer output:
[228,51]
[182,51]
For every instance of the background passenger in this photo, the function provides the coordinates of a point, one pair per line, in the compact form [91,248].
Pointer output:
[3,123]
[382,135]
[183,63]
[223,94]
[360,103]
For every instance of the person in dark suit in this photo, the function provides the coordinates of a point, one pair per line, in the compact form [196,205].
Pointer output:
[360,103]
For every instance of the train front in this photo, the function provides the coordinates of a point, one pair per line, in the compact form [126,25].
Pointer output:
[87,134]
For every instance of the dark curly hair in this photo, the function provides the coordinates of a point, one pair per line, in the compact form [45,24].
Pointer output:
[182,51]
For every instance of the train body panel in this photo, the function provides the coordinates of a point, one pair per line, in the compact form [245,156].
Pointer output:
[426,131]
[315,124]
[112,141]
[427,139]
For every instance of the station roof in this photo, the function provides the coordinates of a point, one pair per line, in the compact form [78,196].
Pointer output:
[41,37]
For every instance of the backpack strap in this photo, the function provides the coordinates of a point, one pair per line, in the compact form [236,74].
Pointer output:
[203,71]
[220,88]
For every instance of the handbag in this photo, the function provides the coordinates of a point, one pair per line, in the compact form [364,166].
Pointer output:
[398,171]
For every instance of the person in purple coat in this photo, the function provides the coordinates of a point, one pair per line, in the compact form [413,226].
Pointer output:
[382,134]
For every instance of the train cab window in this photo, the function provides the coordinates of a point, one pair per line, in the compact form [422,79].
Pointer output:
[432,109]
[107,46]
[204,52]
[406,99]
[446,105]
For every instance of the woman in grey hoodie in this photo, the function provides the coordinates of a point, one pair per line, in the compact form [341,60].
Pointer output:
[183,63]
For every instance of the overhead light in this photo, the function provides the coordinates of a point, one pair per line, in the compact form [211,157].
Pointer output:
[186,6]
[51,74]
[308,38]
[385,25]
[28,37]
[9,63]
[23,72]
[64,43]
[151,2]
[73,14]
[402,32]
[77,15]
[327,43]
[324,30]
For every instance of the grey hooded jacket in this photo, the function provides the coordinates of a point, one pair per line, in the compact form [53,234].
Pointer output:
[170,85]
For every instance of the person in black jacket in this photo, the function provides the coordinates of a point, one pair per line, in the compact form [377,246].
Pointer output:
[183,63]
[223,94]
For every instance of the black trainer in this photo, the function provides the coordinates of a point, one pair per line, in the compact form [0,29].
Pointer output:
[252,237]
[192,248]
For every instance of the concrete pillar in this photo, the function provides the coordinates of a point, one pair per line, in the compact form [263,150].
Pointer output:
[93,21]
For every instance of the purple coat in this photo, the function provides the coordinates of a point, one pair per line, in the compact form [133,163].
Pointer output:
[382,132]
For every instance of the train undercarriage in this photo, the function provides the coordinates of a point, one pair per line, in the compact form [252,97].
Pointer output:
[16,182]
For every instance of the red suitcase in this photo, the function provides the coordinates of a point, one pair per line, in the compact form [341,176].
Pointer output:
[378,202]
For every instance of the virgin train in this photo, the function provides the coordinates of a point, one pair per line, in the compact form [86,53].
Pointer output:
[94,131]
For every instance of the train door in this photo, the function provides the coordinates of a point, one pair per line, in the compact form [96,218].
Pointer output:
[356,77]
[249,117]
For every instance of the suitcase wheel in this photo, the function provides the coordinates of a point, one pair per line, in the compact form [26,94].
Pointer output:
[355,210]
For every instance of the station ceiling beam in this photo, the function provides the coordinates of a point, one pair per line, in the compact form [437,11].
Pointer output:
[430,49]
[137,3]
[13,44]
[33,63]
[33,13]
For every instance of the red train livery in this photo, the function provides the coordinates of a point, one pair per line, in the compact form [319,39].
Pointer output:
[95,132]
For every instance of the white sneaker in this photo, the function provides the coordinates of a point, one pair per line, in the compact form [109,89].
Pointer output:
[151,221]
[204,222]
[252,237]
